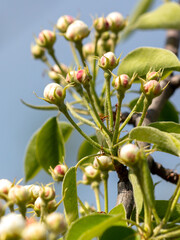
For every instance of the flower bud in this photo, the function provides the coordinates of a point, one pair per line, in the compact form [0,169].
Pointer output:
[55,72]
[91,175]
[58,172]
[83,76]
[151,89]
[54,93]
[35,231]
[34,191]
[108,61]
[47,193]
[77,31]
[38,204]
[71,77]
[122,83]
[5,185]
[89,208]
[52,206]
[116,21]
[37,51]
[19,195]
[101,24]
[129,154]
[153,76]
[63,23]
[56,223]
[46,39]
[103,163]
[11,226]
[88,49]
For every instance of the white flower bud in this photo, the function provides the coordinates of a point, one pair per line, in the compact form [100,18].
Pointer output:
[54,93]
[63,23]
[116,21]
[108,61]
[56,223]
[35,231]
[5,185]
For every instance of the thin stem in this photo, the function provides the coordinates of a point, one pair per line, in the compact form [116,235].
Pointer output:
[52,54]
[63,109]
[78,46]
[132,112]
[76,59]
[107,76]
[97,36]
[95,187]
[100,123]
[105,181]
[145,108]
[45,60]
[118,112]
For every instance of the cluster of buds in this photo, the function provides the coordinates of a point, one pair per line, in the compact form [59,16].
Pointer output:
[108,61]
[34,191]
[54,94]
[91,175]
[55,72]
[130,154]
[103,163]
[64,22]
[46,39]
[58,172]
[49,206]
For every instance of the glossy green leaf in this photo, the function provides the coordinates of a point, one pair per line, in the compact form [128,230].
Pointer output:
[169,127]
[118,232]
[88,227]
[66,130]
[117,210]
[138,197]
[163,141]
[50,144]
[166,16]
[168,113]
[86,149]
[143,59]
[69,191]
[31,164]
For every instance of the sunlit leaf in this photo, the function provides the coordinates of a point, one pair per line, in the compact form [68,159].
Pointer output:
[31,164]
[166,16]
[169,127]
[50,144]
[118,209]
[88,227]
[143,59]
[66,130]
[163,141]
[69,191]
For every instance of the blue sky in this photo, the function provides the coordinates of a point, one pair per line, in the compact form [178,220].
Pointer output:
[21,75]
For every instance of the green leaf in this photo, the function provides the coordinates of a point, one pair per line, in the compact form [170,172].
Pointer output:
[117,210]
[88,227]
[50,145]
[143,59]
[69,191]
[66,130]
[166,16]
[168,113]
[86,149]
[138,197]
[163,141]
[169,127]
[31,164]
[118,232]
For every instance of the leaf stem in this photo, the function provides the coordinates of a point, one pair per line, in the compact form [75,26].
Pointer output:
[105,176]
[95,187]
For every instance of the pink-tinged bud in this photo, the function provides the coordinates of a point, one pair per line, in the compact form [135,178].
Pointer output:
[58,172]
[46,39]
[71,77]
[34,191]
[101,24]
[91,175]
[122,83]
[88,49]
[108,61]
[11,226]
[77,31]
[83,76]
[56,223]
[37,51]
[153,76]
[54,93]
[130,154]
[35,231]
[5,185]
[47,193]
[19,195]
[38,204]
[151,89]
[52,206]
[55,72]
[116,21]
[64,22]
[89,208]
[103,163]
